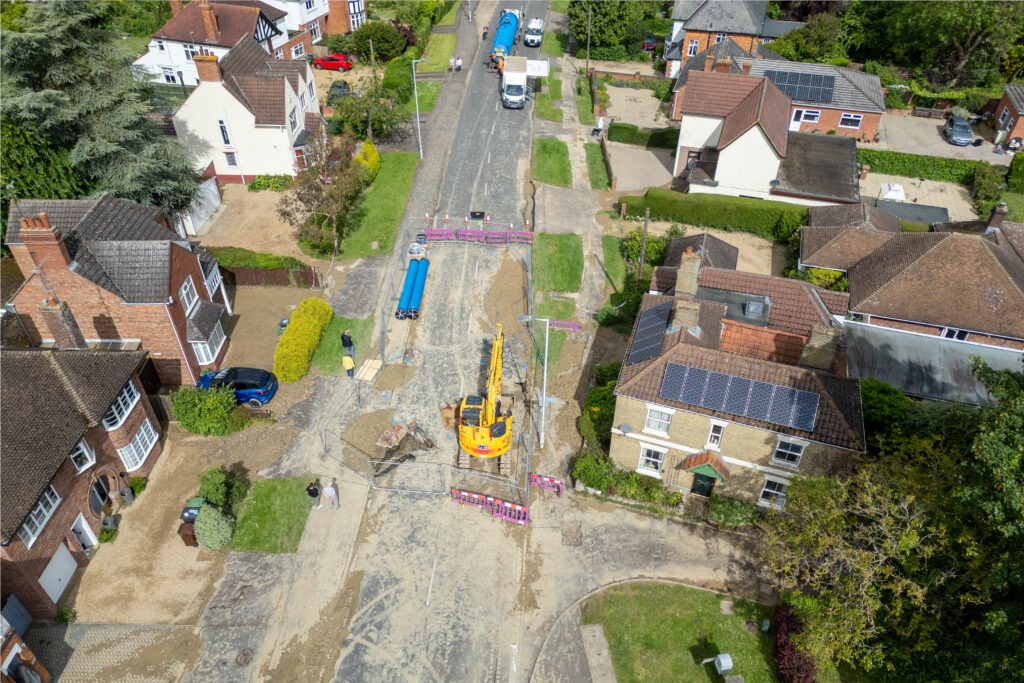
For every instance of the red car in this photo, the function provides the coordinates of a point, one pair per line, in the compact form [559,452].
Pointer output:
[336,62]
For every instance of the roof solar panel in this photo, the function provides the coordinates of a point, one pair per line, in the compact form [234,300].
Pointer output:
[760,401]
[672,383]
[818,80]
[650,332]
[783,402]
[693,388]
[806,411]
[714,395]
[738,395]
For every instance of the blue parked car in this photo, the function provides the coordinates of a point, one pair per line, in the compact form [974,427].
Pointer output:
[253,386]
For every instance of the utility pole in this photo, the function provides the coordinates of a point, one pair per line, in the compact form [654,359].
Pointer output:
[643,245]
[588,38]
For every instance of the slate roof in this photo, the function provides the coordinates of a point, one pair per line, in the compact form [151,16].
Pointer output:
[854,90]
[1015,93]
[743,102]
[727,49]
[48,399]
[953,280]
[715,253]
[821,167]
[776,28]
[909,211]
[114,243]
[852,216]
[202,320]
[839,420]
[839,247]
[234,20]
[740,16]
[258,82]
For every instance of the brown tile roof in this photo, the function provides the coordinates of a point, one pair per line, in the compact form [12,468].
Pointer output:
[259,82]
[761,342]
[1012,232]
[715,94]
[692,462]
[839,248]
[948,279]
[852,216]
[234,20]
[839,421]
[48,399]
[663,279]
[743,102]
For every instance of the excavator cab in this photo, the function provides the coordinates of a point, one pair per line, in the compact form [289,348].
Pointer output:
[483,431]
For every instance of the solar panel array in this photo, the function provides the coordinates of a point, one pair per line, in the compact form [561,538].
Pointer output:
[801,86]
[650,332]
[740,396]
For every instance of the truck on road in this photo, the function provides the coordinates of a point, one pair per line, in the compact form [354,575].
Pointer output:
[506,35]
[513,83]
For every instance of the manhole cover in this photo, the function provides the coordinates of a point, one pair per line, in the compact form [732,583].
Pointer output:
[572,533]
[244,657]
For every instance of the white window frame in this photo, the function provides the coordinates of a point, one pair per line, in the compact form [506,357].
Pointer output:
[775,498]
[213,281]
[720,38]
[715,434]
[187,295]
[190,51]
[293,120]
[846,115]
[203,351]
[84,452]
[122,406]
[652,422]
[692,47]
[314,31]
[231,159]
[954,333]
[788,447]
[134,455]
[312,89]
[1005,115]
[298,49]
[224,135]
[160,45]
[644,459]
[766,41]
[40,515]
[310,4]
[302,100]
[810,116]
[279,53]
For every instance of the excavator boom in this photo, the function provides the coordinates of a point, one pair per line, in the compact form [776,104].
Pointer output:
[483,431]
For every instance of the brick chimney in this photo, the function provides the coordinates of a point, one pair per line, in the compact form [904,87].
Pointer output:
[746,67]
[686,275]
[999,212]
[209,20]
[338,22]
[709,62]
[44,242]
[62,325]
[176,7]
[208,68]
[820,349]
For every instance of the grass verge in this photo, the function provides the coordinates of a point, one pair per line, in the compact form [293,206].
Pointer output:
[554,85]
[543,108]
[380,212]
[554,44]
[327,357]
[551,162]
[449,17]
[596,168]
[440,47]
[1015,203]
[560,6]
[614,262]
[273,517]
[557,262]
[584,103]
[553,309]
[661,632]
[428,91]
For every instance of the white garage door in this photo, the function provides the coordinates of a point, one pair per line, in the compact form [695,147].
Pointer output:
[58,573]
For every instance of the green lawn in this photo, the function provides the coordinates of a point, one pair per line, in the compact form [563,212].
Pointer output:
[614,263]
[554,44]
[380,212]
[553,309]
[584,104]
[439,49]
[554,85]
[449,17]
[652,631]
[543,108]
[327,358]
[273,516]
[428,94]
[560,6]
[557,262]
[135,45]
[551,162]
[1015,203]
[596,167]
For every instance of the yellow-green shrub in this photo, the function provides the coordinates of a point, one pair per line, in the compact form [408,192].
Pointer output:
[301,338]
[369,157]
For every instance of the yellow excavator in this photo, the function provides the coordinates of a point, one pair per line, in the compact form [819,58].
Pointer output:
[483,431]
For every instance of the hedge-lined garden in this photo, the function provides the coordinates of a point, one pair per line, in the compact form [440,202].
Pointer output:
[301,338]
[666,138]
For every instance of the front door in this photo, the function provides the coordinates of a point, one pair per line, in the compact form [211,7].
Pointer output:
[99,495]
[58,573]
[798,116]
[86,538]
[702,485]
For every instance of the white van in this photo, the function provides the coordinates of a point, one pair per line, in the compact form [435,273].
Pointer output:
[534,33]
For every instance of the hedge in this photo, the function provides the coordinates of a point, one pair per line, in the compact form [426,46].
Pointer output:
[959,171]
[777,221]
[277,183]
[301,338]
[1015,179]
[667,138]
[239,257]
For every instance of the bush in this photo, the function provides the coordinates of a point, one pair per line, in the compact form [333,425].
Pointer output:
[794,665]
[208,411]
[108,535]
[886,74]
[730,512]
[137,485]
[296,346]
[369,158]
[610,53]
[65,615]
[1015,178]
[827,279]
[663,90]
[223,488]
[338,42]
[239,257]
[388,41]
[397,80]
[960,171]
[896,99]
[213,529]
[599,410]
[594,469]
[666,138]
[776,221]
[277,183]
[655,249]
[987,188]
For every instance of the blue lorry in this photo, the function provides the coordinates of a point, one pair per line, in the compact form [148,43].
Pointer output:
[507,34]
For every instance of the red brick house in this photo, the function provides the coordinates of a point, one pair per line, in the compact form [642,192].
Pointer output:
[15,655]
[76,425]
[126,278]
[1010,111]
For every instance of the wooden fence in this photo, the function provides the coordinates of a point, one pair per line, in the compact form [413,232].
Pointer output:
[308,277]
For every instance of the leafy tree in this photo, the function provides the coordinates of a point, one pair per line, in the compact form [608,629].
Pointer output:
[885,407]
[611,22]
[224,488]
[213,528]
[818,40]
[1013,62]
[66,79]
[386,39]
[374,115]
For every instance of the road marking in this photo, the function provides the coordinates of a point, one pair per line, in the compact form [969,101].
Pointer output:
[431,589]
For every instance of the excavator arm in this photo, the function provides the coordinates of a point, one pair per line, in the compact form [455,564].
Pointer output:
[482,430]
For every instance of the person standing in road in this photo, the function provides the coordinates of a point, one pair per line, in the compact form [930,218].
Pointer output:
[331,494]
[313,491]
[350,365]
[458,64]
[346,341]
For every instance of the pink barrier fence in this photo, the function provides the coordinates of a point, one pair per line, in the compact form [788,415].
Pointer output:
[502,509]
[478,236]
[549,483]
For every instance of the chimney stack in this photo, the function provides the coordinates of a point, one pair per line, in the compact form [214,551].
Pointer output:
[709,62]
[208,68]
[820,350]
[62,325]
[42,240]
[686,275]
[209,20]
[746,67]
[176,7]
[999,212]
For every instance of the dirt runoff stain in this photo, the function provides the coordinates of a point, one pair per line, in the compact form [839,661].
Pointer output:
[526,600]
[167,656]
[313,657]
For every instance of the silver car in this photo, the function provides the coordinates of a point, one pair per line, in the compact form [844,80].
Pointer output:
[957,131]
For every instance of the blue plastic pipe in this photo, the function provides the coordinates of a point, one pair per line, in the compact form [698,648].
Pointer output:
[417,290]
[407,287]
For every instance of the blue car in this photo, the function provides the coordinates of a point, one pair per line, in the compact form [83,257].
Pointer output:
[253,386]
[957,131]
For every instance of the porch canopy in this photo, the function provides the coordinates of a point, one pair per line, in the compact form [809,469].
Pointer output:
[707,463]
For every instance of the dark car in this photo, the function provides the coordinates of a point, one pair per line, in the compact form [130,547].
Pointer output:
[339,61]
[650,42]
[338,89]
[957,131]
[253,386]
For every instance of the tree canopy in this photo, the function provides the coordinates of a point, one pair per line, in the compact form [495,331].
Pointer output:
[611,22]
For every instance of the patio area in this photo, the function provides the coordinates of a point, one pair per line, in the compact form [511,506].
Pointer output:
[916,135]
[954,198]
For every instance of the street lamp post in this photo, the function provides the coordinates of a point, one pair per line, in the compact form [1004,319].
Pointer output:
[416,97]
[544,382]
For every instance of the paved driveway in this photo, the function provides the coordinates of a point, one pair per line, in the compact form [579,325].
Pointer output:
[916,135]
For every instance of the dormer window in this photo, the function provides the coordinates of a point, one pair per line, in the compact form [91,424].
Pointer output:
[187,295]
[122,405]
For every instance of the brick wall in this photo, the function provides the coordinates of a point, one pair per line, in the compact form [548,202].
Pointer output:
[829,120]
[706,40]
[22,566]
[13,640]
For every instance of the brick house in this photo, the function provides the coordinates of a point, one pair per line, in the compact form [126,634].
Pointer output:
[76,424]
[1010,111]
[127,280]
[251,115]
[725,387]
[14,654]
[698,25]
[203,27]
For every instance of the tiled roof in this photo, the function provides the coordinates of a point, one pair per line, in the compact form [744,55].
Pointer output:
[202,320]
[761,342]
[259,82]
[233,19]
[714,252]
[775,28]
[854,90]
[1012,232]
[820,167]
[839,248]
[727,49]
[740,16]
[743,102]
[839,420]
[709,459]
[852,216]
[63,214]
[1015,93]
[48,399]
[952,280]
